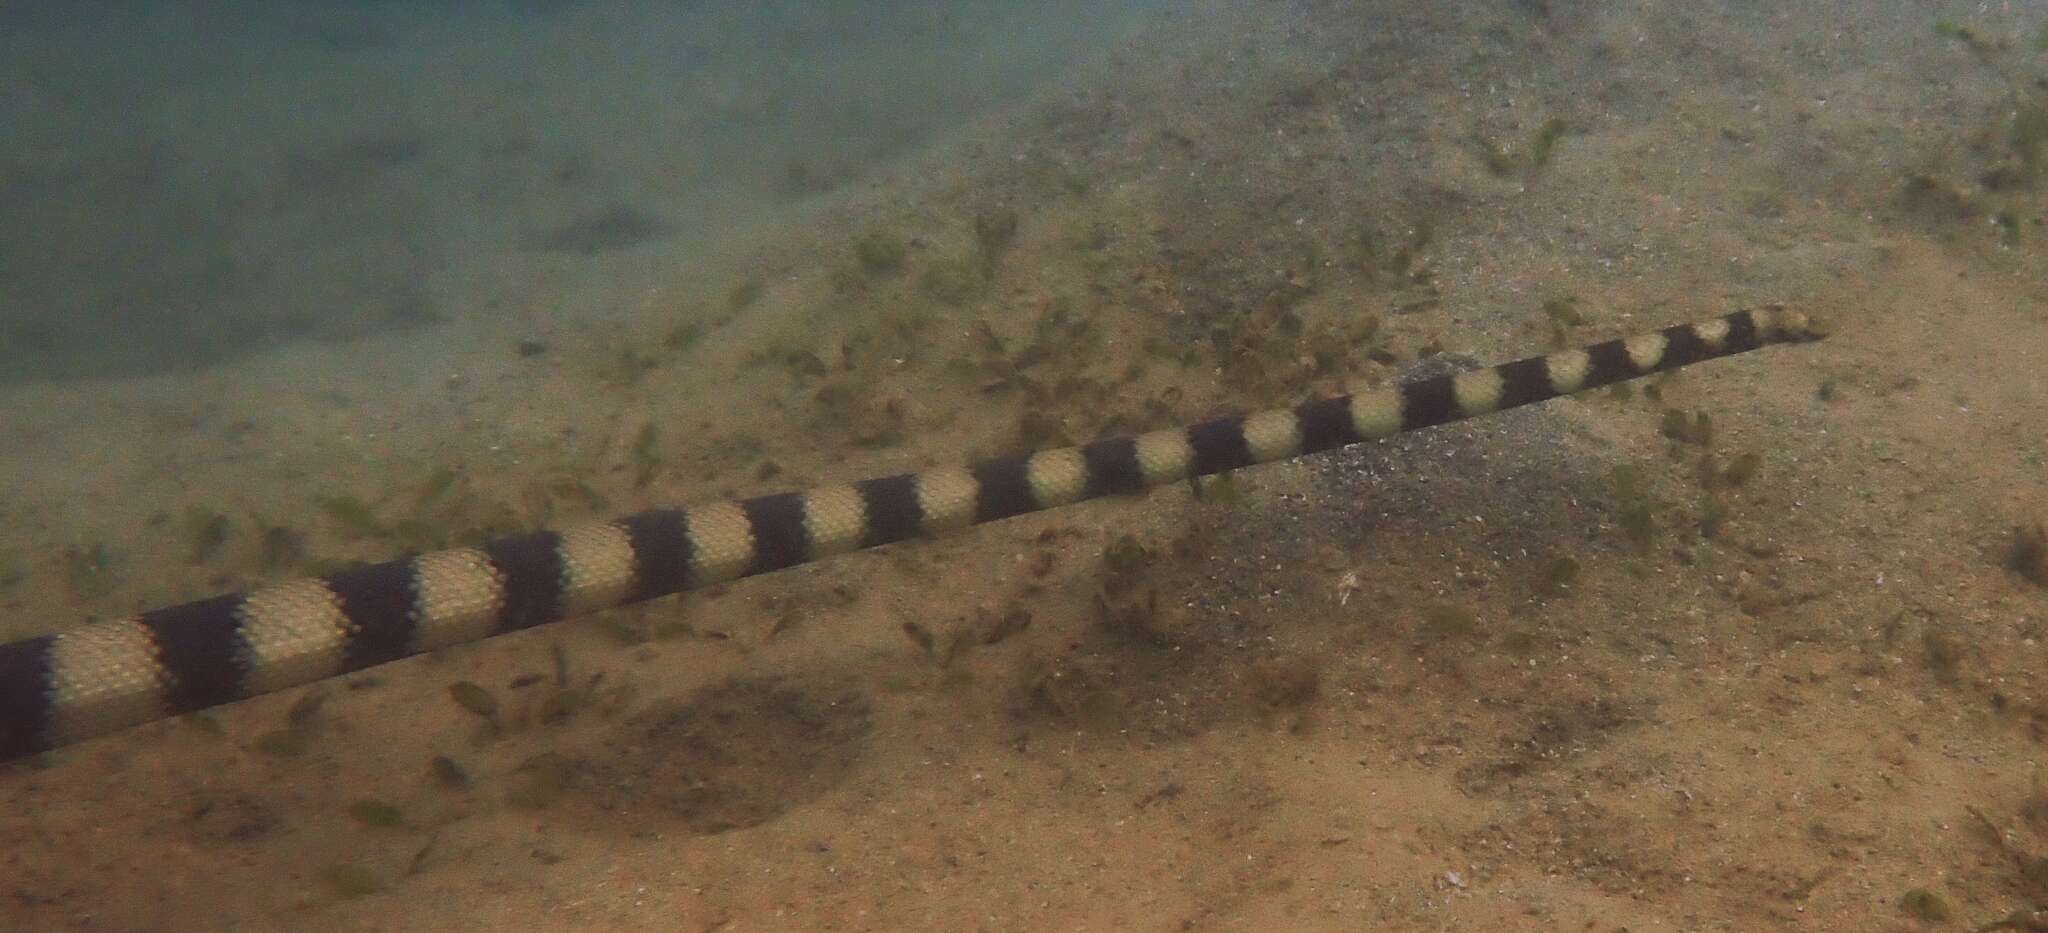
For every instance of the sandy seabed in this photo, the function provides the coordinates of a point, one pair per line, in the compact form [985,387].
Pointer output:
[1742,648]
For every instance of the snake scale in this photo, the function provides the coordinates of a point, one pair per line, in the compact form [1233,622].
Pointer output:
[105,676]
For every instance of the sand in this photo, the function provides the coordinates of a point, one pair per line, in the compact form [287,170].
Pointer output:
[1552,669]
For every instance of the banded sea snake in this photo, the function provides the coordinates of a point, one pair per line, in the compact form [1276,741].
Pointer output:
[105,676]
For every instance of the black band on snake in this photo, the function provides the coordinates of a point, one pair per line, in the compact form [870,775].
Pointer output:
[104,676]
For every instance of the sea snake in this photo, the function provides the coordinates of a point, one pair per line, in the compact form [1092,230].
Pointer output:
[105,676]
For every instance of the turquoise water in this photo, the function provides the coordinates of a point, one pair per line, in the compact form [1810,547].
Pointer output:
[192,181]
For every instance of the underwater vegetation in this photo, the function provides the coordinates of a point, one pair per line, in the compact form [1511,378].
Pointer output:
[2009,153]
[1526,160]
[2028,555]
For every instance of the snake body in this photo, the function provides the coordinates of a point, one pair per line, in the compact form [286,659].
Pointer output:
[105,676]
